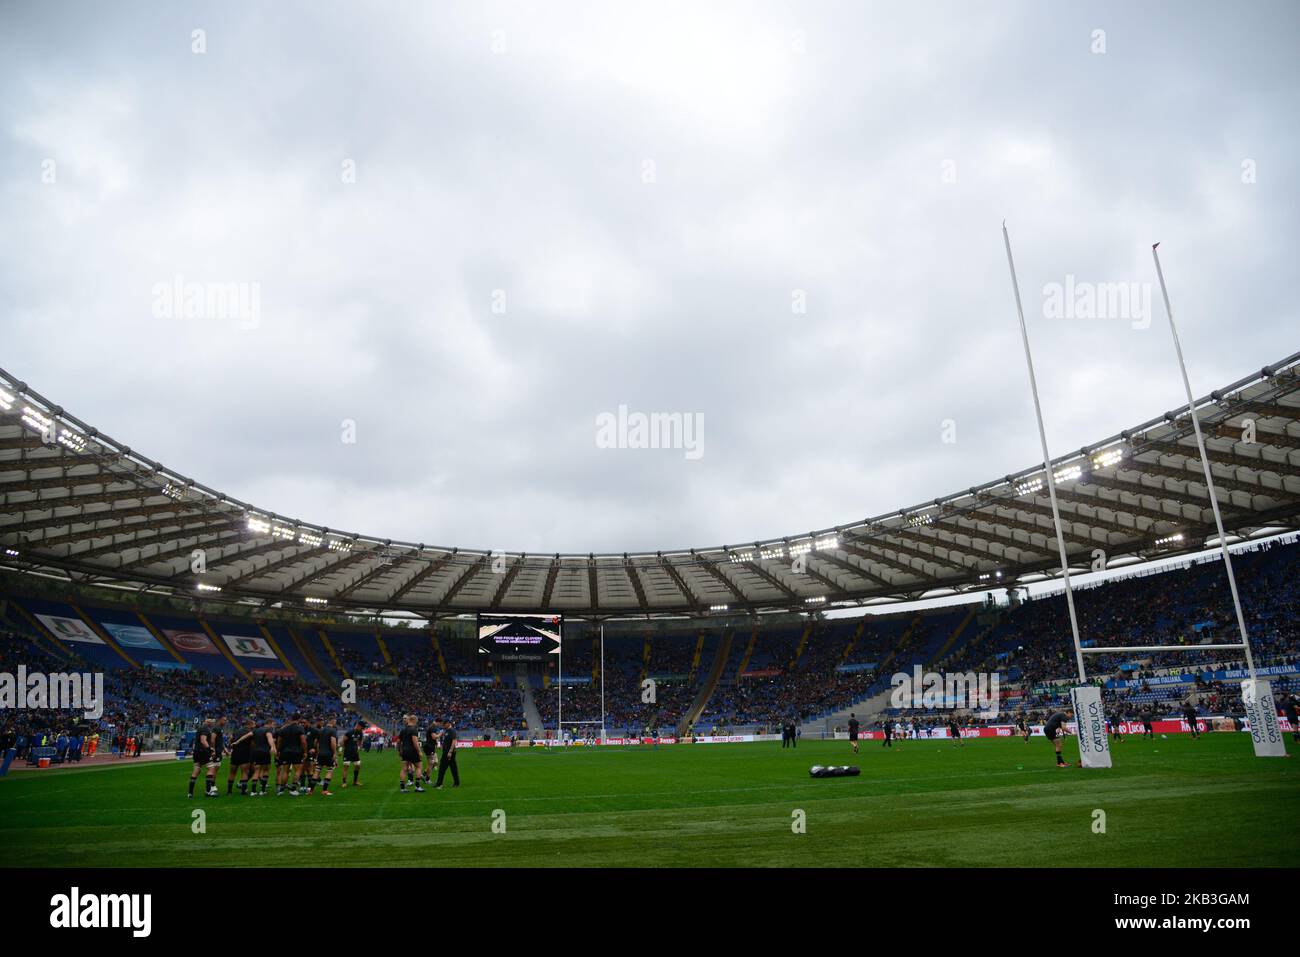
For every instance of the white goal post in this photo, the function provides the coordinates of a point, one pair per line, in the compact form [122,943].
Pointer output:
[559,711]
[1257,696]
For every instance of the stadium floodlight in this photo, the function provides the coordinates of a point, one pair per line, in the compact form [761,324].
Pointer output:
[6,401]
[1067,474]
[35,421]
[309,538]
[803,548]
[201,586]
[820,599]
[828,542]
[11,552]
[173,491]
[1030,486]
[1108,458]
[918,520]
[716,608]
[313,600]
[338,545]
[1170,539]
[772,551]
[259,525]
[739,558]
[71,440]
[281,531]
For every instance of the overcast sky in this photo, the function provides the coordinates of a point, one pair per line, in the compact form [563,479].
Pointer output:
[473,228]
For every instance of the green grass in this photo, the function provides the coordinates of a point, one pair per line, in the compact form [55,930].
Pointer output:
[1171,802]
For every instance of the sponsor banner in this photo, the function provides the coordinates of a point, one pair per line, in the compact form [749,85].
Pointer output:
[247,647]
[1265,730]
[857,666]
[190,642]
[761,673]
[373,676]
[1094,743]
[270,673]
[131,636]
[70,629]
[168,665]
[1189,676]
[473,679]
[664,676]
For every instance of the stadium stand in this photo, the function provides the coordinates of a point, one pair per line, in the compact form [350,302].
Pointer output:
[164,671]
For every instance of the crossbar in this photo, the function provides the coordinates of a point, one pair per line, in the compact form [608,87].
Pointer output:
[1107,651]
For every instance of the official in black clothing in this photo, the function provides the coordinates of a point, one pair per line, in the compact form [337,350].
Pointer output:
[448,758]
[853,731]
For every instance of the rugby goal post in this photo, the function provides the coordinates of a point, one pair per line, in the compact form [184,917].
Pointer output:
[1090,721]
[587,724]
[1089,715]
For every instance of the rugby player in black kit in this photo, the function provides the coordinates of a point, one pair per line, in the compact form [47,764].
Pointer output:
[430,746]
[352,753]
[290,747]
[202,757]
[261,750]
[241,758]
[408,750]
[327,747]
[1053,730]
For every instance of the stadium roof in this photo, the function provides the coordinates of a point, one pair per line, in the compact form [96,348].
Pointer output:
[79,505]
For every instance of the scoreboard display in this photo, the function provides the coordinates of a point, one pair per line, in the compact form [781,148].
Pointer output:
[520,637]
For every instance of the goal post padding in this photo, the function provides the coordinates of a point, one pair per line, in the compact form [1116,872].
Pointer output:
[1261,711]
[1090,725]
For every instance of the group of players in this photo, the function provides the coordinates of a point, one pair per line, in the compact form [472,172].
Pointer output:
[305,753]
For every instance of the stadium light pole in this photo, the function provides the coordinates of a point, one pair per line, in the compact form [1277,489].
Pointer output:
[1047,462]
[1205,464]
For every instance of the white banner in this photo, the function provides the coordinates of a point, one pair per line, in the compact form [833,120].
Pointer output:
[1090,721]
[246,647]
[70,629]
[1261,710]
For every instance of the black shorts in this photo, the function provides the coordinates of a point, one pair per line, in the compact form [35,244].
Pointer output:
[202,755]
[410,756]
[351,757]
[1051,733]
[429,750]
[853,736]
[325,761]
[288,757]
[239,757]
[260,759]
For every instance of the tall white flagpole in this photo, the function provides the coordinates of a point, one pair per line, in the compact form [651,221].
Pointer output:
[1047,463]
[1205,464]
